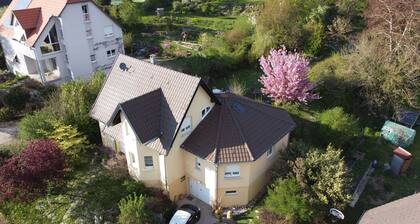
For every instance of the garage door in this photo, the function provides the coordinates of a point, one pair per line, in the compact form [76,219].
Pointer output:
[200,191]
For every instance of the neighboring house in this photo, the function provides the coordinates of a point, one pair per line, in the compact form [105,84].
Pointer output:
[405,211]
[179,136]
[61,40]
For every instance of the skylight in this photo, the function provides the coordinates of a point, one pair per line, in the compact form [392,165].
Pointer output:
[238,107]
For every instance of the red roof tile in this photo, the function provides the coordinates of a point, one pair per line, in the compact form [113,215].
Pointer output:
[28,18]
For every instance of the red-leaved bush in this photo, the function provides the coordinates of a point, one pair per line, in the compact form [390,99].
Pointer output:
[26,175]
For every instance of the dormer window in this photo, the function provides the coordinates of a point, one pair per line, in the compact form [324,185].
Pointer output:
[16,59]
[85,13]
[51,43]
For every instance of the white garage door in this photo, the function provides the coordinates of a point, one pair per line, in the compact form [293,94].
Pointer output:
[200,191]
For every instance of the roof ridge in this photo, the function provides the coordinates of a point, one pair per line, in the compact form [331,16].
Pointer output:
[239,130]
[216,145]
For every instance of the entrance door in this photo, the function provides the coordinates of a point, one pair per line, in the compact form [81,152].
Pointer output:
[200,191]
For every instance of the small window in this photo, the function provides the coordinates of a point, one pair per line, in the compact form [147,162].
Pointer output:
[148,162]
[110,53]
[16,59]
[204,112]
[269,152]
[126,128]
[197,163]
[89,33]
[23,38]
[85,13]
[132,159]
[93,58]
[12,20]
[108,31]
[231,193]
[186,125]
[232,171]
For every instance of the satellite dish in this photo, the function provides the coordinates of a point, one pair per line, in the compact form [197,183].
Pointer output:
[337,213]
[123,67]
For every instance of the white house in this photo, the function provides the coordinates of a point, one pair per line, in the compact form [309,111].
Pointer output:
[58,40]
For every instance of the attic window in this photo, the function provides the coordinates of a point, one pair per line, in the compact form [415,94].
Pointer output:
[23,38]
[108,31]
[51,42]
[204,112]
[85,13]
[16,59]
[238,107]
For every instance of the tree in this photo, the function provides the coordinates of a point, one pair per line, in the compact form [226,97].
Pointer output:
[338,127]
[130,12]
[133,210]
[287,199]
[128,42]
[285,77]
[26,175]
[34,126]
[325,176]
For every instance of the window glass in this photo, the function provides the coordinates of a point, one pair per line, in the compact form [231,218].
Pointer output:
[92,57]
[51,43]
[110,53]
[148,161]
[232,192]
[53,35]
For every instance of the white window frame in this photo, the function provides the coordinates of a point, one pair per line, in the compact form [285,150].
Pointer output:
[148,166]
[204,112]
[269,152]
[232,170]
[197,163]
[108,31]
[111,53]
[132,158]
[231,192]
[186,126]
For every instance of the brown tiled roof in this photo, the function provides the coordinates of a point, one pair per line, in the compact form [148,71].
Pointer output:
[238,130]
[28,18]
[404,211]
[49,8]
[143,113]
[142,78]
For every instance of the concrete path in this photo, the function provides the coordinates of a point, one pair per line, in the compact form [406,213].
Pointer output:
[207,216]
[361,186]
[8,132]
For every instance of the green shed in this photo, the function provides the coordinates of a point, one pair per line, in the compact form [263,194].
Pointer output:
[398,134]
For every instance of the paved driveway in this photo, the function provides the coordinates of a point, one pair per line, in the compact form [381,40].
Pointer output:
[8,132]
[207,216]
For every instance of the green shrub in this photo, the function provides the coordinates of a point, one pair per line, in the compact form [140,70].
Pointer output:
[73,144]
[315,39]
[6,114]
[338,127]
[17,98]
[133,210]
[287,199]
[36,125]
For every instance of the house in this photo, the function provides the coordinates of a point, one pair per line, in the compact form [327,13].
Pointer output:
[180,136]
[58,40]
[405,210]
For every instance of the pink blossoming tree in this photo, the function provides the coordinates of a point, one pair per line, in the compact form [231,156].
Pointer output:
[285,77]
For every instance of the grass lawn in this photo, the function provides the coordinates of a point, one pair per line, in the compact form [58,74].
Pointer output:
[385,187]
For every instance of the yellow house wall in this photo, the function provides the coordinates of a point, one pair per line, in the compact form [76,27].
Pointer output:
[175,168]
[253,177]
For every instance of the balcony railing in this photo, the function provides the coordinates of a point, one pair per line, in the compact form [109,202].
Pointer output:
[49,48]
